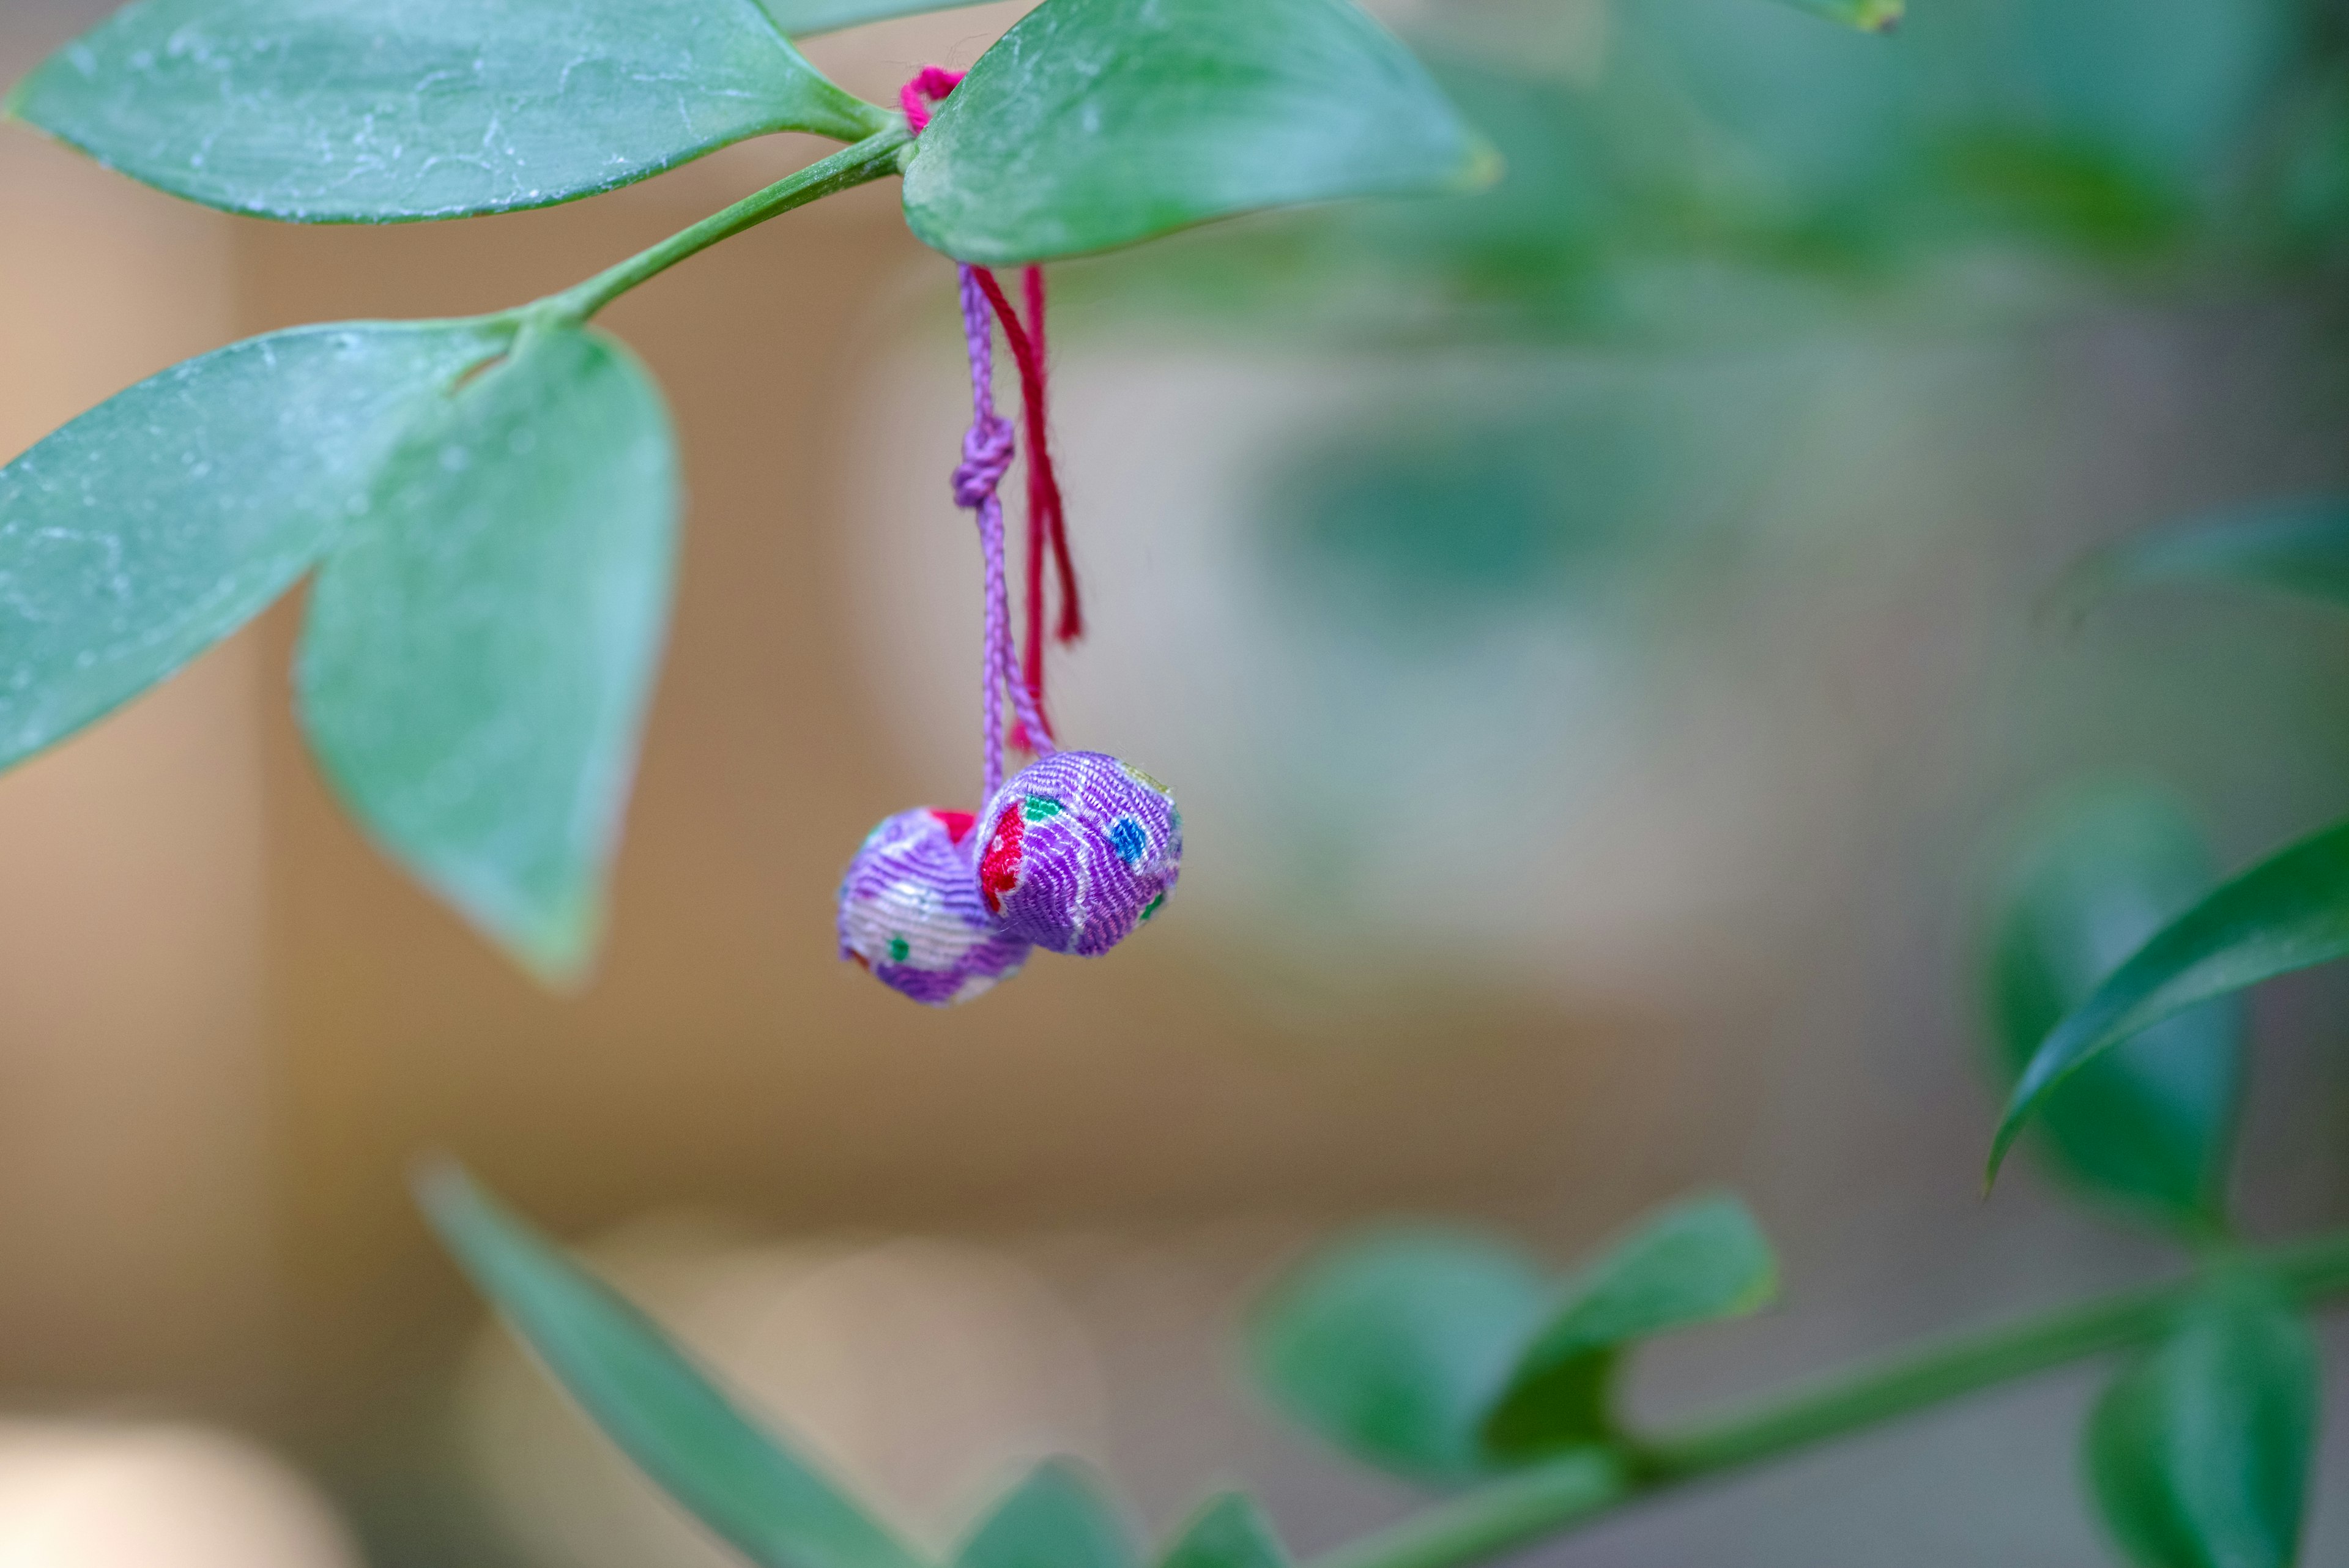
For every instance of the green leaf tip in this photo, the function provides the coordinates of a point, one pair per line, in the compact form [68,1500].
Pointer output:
[1229,1531]
[1699,1261]
[648,1396]
[2288,912]
[482,642]
[1060,1515]
[2150,1124]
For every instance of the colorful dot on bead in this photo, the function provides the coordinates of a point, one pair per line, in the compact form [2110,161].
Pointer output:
[1076,878]
[999,866]
[911,912]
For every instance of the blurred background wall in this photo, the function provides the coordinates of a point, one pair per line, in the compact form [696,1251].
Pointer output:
[1598,635]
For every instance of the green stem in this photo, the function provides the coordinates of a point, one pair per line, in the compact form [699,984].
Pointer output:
[1560,1494]
[868,159]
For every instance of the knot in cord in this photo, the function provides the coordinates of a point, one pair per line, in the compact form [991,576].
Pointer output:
[987,451]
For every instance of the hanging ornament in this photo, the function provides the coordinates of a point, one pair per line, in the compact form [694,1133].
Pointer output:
[911,912]
[1078,849]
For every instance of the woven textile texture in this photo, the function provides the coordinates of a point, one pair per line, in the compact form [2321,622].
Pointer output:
[1079,850]
[910,911]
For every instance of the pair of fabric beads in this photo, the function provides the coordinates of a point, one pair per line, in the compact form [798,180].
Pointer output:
[1076,852]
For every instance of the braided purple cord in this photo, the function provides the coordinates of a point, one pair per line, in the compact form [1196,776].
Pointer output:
[986,452]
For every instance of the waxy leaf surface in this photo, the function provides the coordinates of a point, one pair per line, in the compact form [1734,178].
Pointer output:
[2199,1455]
[1229,1532]
[1059,1517]
[2286,913]
[386,111]
[805,18]
[649,1398]
[1095,123]
[1392,1345]
[162,520]
[1694,1263]
[2150,1122]
[481,644]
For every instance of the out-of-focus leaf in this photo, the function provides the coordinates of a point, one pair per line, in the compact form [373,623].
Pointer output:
[1868,15]
[2199,1455]
[663,1411]
[2149,1123]
[1058,1518]
[358,112]
[2167,86]
[481,644]
[805,18]
[1393,1344]
[2300,547]
[1230,1531]
[2286,913]
[1697,1261]
[1095,123]
[162,520]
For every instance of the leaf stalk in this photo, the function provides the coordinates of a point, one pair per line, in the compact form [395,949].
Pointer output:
[1578,1487]
[860,163]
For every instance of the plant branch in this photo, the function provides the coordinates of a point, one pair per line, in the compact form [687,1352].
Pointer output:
[1562,1493]
[865,160]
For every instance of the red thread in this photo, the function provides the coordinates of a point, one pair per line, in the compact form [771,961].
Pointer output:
[1048,523]
[958,823]
[1046,513]
[931,85]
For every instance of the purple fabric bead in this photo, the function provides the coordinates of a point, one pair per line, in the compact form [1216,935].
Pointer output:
[1079,850]
[910,911]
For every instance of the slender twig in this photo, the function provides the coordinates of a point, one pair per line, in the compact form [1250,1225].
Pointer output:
[1560,1494]
[868,159]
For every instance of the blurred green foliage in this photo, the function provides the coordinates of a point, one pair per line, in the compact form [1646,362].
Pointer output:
[2150,1123]
[1690,168]
[2198,1456]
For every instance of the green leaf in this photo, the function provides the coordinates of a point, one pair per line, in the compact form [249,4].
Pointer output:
[361,112]
[1230,1531]
[1059,1517]
[481,644]
[2286,913]
[805,18]
[2300,547]
[1095,123]
[662,1410]
[2149,1123]
[1868,15]
[1696,1262]
[162,520]
[2199,1455]
[1392,1345]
